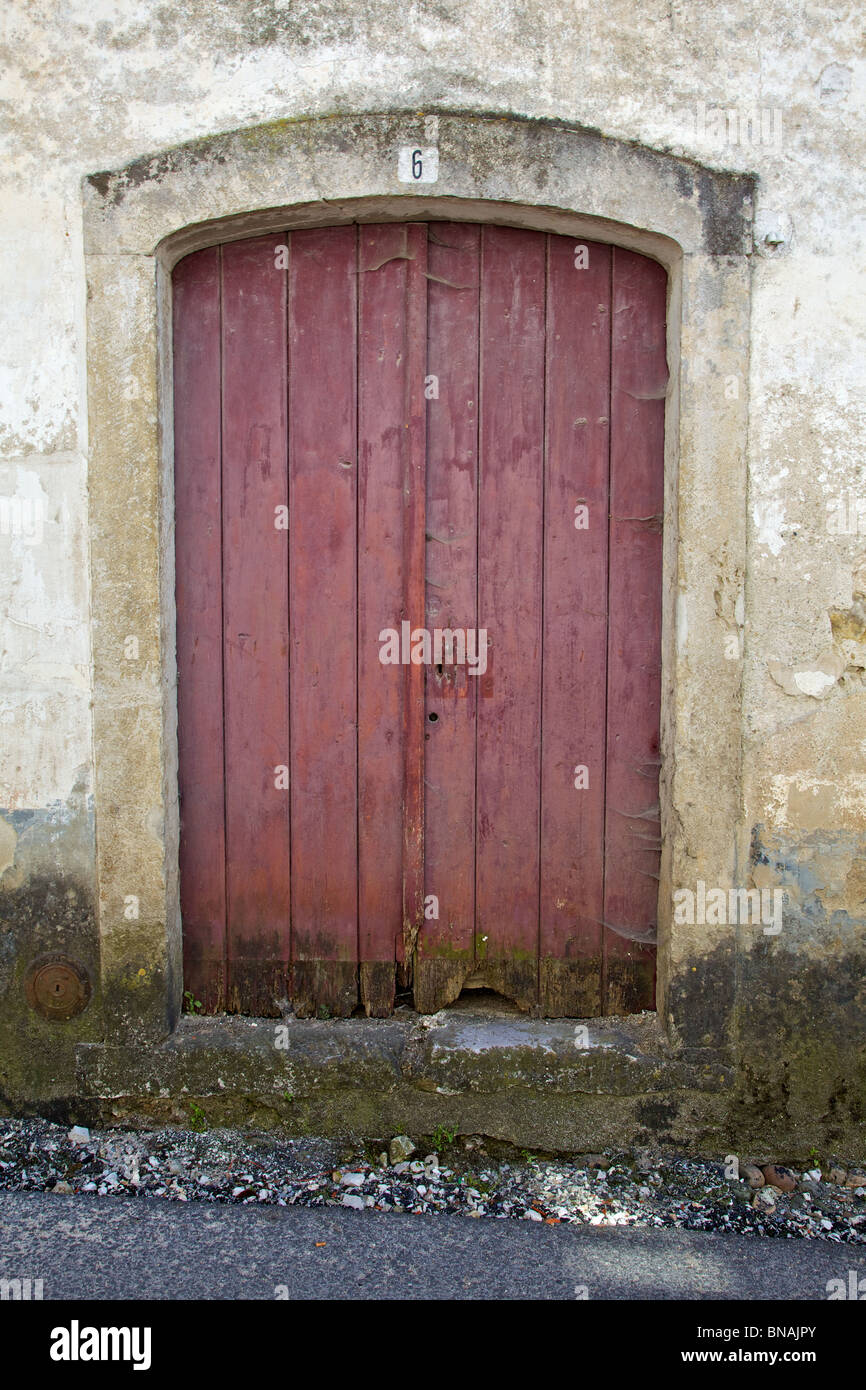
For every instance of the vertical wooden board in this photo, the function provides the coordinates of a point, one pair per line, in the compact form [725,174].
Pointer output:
[509,606]
[392,295]
[446,944]
[577,430]
[414,588]
[198,563]
[323,615]
[638,385]
[255,599]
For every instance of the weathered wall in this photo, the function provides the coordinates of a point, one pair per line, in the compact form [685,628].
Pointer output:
[98,86]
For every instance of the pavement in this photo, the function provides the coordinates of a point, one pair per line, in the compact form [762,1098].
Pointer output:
[91,1247]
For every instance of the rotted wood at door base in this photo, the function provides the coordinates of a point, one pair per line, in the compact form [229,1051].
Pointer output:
[456,427]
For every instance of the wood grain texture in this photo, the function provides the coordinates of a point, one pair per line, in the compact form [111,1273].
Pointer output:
[446,946]
[577,451]
[323,601]
[414,559]
[255,616]
[632,838]
[390,564]
[509,606]
[198,579]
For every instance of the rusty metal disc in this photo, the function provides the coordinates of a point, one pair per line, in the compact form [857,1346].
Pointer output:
[57,987]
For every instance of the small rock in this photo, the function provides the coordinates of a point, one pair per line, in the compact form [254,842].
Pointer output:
[400,1147]
[531,1215]
[353,1179]
[383,1159]
[595,1161]
[813,1174]
[62,1187]
[752,1174]
[416,1167]
[837,1175]
[644,1192]
[855,1178]
[354,1199]
[781,1178]
[79,1135]
[764,1199]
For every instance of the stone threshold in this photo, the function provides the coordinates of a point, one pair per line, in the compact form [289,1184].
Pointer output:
[557,1084]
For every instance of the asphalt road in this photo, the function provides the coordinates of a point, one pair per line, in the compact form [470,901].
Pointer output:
[121,1248]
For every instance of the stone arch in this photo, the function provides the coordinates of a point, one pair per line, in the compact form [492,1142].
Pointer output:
[141,219]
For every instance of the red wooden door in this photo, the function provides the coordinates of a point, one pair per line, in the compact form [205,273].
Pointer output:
[384,433]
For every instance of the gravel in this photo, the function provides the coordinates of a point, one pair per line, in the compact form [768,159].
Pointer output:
[472,1175]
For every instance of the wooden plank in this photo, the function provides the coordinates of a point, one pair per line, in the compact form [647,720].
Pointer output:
[198,562]
[638,386]
[575,626]
[255,600]
[414,560]
[446,951]
[323,611]
[392,293]
[509,606]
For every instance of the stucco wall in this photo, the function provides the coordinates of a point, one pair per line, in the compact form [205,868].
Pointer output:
[98,86]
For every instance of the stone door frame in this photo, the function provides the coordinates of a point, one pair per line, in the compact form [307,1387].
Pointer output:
[140,220]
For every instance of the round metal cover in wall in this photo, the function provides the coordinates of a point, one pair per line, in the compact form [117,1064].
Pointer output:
[57,987]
